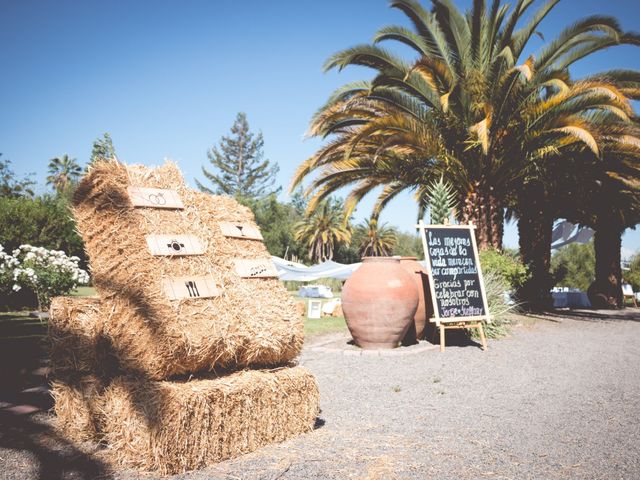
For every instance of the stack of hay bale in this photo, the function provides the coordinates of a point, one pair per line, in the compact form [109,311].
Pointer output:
[185,358]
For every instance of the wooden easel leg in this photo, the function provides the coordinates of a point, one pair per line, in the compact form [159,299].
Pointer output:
[482,337]
[441,327]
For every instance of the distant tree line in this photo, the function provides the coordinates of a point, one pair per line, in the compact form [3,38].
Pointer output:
[238,169]
[44,220]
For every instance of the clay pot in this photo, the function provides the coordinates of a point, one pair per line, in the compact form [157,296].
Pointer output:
[379,302]
[419,274]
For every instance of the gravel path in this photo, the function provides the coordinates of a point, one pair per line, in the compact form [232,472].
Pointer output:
[557,399]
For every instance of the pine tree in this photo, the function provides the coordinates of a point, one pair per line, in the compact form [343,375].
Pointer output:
[102,148]
[441,202]
[240,169]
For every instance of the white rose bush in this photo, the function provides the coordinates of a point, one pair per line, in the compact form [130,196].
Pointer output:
[45,272]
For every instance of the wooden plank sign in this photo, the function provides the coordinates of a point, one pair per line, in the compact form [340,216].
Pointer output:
[456,285]
[181,288]
[240,230]
[155,198]
[174,245]
[255,268]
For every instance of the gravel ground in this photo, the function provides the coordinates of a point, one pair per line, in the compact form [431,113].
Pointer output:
[557,399]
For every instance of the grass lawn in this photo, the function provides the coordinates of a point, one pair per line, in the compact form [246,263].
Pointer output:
[18,325]
[84,292]
[315,326]
[22,345]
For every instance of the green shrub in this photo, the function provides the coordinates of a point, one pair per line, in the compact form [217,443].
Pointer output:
[44,221]
[503,273]
[574,266]
[408,245]
[499,306]
[633,274]
[276,221]
[46,273]
[505,265]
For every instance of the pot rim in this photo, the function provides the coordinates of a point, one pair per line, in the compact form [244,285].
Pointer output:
[381,259]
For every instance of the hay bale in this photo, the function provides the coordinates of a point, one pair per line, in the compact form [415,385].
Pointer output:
[77,342]
[252,323]
[171,427]
[77,407]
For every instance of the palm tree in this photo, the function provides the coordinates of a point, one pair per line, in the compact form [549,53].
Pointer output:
[471,109]
[375,240]
[607,199]
[618,211]
[323,231]
[465,108]
[63,173]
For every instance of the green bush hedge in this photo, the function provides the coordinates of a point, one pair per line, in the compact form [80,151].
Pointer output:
[506,265]
[503,272]
[43,221]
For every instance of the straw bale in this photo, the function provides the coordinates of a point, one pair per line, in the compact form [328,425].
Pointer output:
[77,407]
[252,323]
[171,427]
[76,339]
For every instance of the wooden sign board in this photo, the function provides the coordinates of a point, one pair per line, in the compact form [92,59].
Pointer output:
[240,230]
[181,288]
[456,283]
[174,245]
[255,268]
[155,198]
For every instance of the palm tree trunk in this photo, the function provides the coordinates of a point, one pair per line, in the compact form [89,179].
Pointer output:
[534,229]
[484,209]
[606,290]
[496,217]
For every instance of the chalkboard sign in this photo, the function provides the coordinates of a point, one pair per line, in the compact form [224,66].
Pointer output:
[456,284]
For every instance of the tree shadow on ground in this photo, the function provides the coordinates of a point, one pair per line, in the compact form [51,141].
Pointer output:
[145,396]
[625,314]
[459,338]
[23,371]
[55,457]
[22,347]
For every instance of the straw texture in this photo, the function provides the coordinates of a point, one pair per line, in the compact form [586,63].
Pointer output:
[252,323]
[172,427]
[77,342]
[77,408]
[120,360]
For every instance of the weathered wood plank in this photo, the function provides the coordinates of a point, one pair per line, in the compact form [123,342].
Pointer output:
[155,198]
[240,230]
[247,268]
[196,286]
[174,245]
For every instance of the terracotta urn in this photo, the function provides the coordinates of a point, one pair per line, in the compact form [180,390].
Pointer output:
[379,302]
[419,274]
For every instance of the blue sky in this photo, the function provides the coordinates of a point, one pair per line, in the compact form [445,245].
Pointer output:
[166,78]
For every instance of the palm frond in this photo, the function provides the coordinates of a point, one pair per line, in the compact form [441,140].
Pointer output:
[365,55]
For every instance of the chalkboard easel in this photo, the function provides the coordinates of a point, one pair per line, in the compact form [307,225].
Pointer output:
[455,278]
